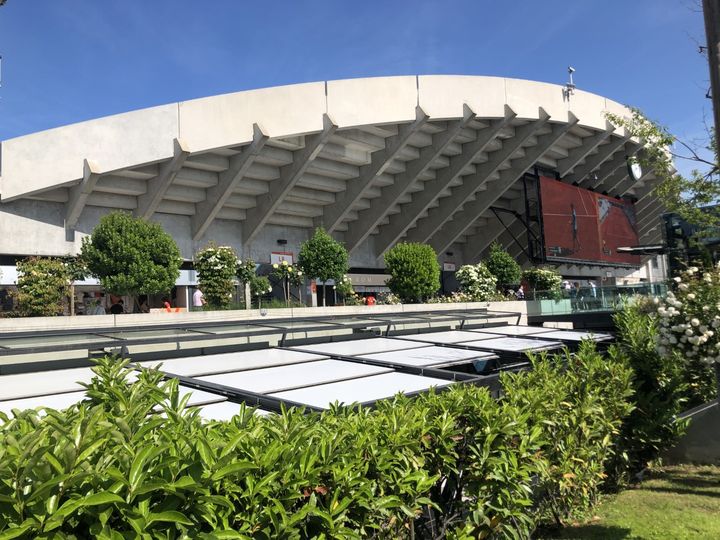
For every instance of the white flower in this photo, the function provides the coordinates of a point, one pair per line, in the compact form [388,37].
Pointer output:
[691,296]
[695,322]
[275,265]
[683,287]
[677,279]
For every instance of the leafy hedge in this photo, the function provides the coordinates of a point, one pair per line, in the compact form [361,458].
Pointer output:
[131,461]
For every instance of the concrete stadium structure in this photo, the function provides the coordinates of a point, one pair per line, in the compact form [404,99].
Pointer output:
[375,161]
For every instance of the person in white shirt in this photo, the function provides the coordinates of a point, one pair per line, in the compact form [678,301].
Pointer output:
[198,299]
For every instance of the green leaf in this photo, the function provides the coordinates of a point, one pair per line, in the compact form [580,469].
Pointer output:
[238,466]
[170,516]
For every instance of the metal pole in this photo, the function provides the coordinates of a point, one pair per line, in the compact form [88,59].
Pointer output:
[711,9]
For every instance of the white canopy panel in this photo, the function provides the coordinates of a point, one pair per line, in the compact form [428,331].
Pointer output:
[278,379]
[429,356]
[224,411]
[451,336]
[362,390]
[49,382]
[516,330]
[360,346]
[54,401]
[514,344]
[236,361]
[574,335]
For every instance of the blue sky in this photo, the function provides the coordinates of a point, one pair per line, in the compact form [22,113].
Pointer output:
[72,60]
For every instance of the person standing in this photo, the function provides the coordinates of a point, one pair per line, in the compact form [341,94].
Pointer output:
[117,308]
[198,299]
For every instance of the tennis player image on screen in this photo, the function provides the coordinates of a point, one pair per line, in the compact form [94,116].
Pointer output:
[582,225]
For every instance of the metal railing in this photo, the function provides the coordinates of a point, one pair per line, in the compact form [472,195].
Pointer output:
[589,299]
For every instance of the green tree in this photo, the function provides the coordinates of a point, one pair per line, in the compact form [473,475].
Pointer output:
[414,271]
[131,255]
[259,286]
[216,268]
[503,266]
[77,271]
[42,286]
[323,258]
[683,195]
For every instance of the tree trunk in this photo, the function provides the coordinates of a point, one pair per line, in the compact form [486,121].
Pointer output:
[72,299]
[248,297]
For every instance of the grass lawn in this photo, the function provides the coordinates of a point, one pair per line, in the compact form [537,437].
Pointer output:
[672,503]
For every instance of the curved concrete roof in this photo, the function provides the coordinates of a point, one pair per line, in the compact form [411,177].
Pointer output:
[421,158]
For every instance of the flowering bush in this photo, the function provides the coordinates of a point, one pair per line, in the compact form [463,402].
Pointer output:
[543,280]
[42,286]
[216,268]
[387,299]
[260,285]
[285,274]
[245,271]
[477,282]
[455,297]
[689,319]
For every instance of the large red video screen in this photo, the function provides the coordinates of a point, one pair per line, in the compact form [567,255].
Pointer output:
[585,226]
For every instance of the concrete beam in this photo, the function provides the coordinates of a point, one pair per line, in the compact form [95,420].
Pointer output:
[576,155]
[290,174]
[369,218]
[357,188]
[581,172]
[614,180]
[217,195]
[79,194]
[431,224]
[157,187]
[629,183]
[465,217]
[598,181]
[478,243]
[421,201]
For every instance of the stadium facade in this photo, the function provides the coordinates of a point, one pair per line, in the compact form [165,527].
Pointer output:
[438,159]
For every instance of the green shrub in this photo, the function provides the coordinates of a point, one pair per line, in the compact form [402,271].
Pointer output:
[131,255]
[660,387]
[579,404]
[503,266]
[132,461]
[42,286]
[414,271]
[477,282]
